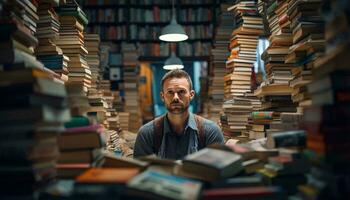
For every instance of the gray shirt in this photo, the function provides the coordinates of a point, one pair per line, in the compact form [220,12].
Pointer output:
[175,146]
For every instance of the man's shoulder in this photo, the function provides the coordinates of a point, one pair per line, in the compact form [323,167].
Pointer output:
[208,123]
[146,128]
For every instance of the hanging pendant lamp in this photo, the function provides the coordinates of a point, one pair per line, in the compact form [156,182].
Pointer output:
[173,62]
[173,32]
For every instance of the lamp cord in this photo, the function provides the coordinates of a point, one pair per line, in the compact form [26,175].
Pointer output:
[174,14]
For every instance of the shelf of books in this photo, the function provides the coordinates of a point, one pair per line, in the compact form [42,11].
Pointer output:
[141,23]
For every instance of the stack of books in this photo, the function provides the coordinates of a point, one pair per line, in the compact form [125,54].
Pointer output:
[71,41]
[47,51]
[256,103]
[113,141]
[240,62]
[131,81]
[98,109]
[243,45]
[33,106]
[32,114]
[307,28]
[288,122]
[287,170]
[81,148]
[275,100]
[259,122]
[124,120]
[78,100]
[112,114]
[235,118]
[219,54]
[278,92]
[92,44]
[326,120]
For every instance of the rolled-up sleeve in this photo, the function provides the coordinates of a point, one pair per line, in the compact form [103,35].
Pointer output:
[213,133]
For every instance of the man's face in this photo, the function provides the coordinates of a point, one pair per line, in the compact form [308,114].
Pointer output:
[176,95]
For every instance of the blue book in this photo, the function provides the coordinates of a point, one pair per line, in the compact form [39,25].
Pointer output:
[159,185]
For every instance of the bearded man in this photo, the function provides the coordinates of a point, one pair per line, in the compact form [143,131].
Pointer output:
[179,132]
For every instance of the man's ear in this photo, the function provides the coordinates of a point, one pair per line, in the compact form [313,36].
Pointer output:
[192,94]
[162,96]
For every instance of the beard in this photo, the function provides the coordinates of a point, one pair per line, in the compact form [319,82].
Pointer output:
[177,107]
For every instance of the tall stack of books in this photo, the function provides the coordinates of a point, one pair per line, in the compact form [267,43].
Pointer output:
[96,97]
[326,120]
[32,114]
[217,70]
[275,92]
[71,41]
[279,73]
[243,44]
[33,106]
[92,44]
[239,65]
[131,74]
[307,28]
[47,51]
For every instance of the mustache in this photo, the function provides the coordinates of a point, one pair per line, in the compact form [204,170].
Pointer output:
[175,101]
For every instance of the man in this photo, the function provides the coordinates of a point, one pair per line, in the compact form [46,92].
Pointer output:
[178,132]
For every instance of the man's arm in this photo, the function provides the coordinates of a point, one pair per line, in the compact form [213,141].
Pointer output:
[144,141]
[213,133]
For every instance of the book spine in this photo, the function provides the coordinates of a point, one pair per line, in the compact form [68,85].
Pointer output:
[262,115]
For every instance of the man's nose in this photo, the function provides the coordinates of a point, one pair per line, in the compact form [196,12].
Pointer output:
[176,96]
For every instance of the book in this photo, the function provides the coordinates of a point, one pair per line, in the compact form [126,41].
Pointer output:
[157,185]
[242,181]
[107,175]
[296,138]
[120,162]
[216,164]
[80,140]
[102,183]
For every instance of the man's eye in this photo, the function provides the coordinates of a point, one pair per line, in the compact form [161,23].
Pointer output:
[182,92]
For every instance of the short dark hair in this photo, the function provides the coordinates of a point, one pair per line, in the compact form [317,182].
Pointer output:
[176,73]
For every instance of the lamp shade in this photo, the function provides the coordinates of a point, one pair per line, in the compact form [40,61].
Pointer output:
[173,32]
[173,62]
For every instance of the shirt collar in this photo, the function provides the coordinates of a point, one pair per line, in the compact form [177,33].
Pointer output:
[190,123]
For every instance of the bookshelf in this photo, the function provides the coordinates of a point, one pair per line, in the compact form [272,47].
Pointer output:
[140,22]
